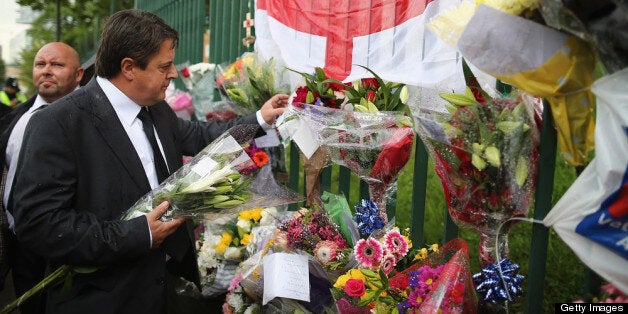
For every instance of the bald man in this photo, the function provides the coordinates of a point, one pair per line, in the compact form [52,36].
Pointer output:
[57,72]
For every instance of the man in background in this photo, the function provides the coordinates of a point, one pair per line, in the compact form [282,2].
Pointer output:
[56,72]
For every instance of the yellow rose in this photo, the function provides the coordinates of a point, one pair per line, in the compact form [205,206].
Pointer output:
[341,281]
[356,274]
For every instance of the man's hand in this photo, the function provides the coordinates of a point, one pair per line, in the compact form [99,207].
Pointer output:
[274,107]
[159,229]
[14,102]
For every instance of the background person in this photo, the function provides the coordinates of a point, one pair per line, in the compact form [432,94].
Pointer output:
[10,96]
[89,161]
[56,72]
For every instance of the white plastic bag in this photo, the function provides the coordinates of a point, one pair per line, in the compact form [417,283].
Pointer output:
[592,216]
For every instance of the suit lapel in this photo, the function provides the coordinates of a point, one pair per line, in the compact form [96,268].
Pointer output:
[107,123]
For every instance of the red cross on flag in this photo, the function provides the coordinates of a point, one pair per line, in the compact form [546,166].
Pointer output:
[387,36]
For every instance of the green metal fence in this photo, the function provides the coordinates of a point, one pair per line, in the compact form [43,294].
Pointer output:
[226,30]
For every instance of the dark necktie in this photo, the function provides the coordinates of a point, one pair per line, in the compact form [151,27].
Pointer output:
[178,244]
[147,122]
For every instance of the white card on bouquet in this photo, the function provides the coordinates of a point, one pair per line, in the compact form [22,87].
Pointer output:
[286,275]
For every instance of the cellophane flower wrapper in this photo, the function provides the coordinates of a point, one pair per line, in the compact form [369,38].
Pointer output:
[374,145]
[225,242]
[537,59]
[602,29]
[441,283]
[250,81]
[486,156]
[309,232]
[211,185]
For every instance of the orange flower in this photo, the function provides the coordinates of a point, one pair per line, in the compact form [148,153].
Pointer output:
[260,158]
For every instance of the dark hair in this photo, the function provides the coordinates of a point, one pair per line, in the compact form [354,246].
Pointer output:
[131,34]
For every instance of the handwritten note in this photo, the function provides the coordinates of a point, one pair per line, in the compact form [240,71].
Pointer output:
[286,276]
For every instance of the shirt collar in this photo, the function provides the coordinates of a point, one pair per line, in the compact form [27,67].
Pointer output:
[125,108]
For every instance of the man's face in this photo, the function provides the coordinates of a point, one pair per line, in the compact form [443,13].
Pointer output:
[151,83]
[56,71]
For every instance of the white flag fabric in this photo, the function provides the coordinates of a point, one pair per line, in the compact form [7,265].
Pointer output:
[387,36]
[592,216]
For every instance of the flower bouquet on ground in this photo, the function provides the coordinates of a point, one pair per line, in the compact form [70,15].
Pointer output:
[224,243]
[362,126]
[486,154]
[366,287]
[437,282]
[215,183]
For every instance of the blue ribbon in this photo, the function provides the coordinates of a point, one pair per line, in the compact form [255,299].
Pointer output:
[367,217]
[496,287]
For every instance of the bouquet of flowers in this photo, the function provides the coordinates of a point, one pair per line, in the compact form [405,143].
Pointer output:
[214,182]
[486,155]
[361,125]
[250,82]
[367,287]
[537,59]
[224,243]
[438,282]
[312,231]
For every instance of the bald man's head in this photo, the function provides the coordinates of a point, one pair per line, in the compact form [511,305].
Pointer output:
[57,71]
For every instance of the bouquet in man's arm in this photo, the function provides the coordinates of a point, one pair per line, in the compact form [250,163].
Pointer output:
[215,182]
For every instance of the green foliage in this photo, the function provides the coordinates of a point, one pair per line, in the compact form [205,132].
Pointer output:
[80,26]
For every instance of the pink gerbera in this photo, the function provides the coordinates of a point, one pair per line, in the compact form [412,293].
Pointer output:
[368,252]
[388,263]
[326,252]
[396,243]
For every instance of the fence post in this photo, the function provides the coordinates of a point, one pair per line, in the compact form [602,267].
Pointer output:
[542,205]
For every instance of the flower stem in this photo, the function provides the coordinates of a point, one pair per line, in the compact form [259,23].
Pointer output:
[51,280]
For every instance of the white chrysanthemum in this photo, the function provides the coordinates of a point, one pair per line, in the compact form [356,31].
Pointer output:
[235,301]
[245,225]
[233,253]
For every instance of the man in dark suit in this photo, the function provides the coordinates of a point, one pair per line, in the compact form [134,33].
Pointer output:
[88,160]
[56,72]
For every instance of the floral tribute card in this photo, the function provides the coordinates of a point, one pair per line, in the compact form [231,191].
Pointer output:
[286,275]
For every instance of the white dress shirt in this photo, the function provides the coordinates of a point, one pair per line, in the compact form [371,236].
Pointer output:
[127,111]
[13,152]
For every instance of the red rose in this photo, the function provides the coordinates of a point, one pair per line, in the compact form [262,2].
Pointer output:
[399,281]
[355,288]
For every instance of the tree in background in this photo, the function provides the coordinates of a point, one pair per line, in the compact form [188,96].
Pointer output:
[81,24]
[3,70]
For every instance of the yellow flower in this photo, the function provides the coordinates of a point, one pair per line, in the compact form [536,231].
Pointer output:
[422,254]
[246,239]
[226,238]
[221,248]
[356,274]
[341,281]
[434,247]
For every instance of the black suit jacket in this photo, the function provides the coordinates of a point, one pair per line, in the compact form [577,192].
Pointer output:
[7,123]
[78,173]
